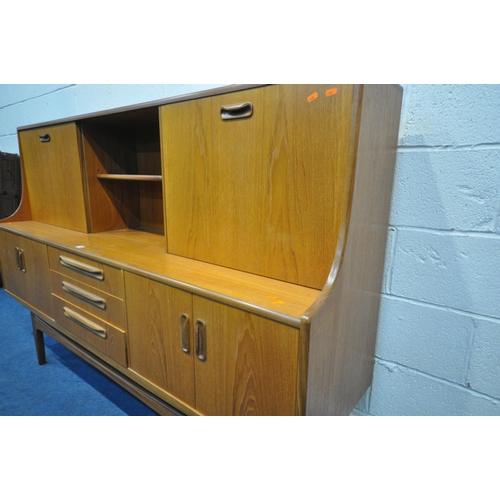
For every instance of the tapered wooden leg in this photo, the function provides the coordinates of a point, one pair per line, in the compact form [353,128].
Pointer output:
[39,342]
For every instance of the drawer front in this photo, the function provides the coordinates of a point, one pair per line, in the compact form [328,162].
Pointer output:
[95,274]
[92,330]
[107,307]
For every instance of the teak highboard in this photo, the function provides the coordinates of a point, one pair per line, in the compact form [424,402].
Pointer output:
[217,253]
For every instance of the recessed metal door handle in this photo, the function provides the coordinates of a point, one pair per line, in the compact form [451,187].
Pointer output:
[93,272]
[44,137]
[20,259]
[185,342]
[82,321]
[201,340]
[236,111]
[95,300]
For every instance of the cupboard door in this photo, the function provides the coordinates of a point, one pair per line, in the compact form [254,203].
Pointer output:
[25,271]
[51,159]
[159,320]
[251,362]
[267,193]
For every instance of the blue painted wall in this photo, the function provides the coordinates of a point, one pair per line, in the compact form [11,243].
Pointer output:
[438,349]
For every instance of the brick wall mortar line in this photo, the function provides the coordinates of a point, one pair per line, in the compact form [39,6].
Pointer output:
[388,364]
[461,312]
[425,148]
[390,260]
[497,215]
[450,232]
[405,113]
[36,97]
[469,350]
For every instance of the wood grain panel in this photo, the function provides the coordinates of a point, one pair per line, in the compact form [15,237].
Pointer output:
[55,182]
[115,152]
[268,194]
[151,207]
[111,283]
[114,311]
[32,286]
[154,314]
[113,345]
[344,320]
[251,366]
[112,206]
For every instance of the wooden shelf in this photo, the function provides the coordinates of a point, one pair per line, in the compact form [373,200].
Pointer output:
[126,177]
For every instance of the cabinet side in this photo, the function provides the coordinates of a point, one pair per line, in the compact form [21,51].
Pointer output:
[23,211]
[343,323]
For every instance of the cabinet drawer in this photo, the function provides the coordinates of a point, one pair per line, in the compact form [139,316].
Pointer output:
[95,274]
[107,307]
[92,330]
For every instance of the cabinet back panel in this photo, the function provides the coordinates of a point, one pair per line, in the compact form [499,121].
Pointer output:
[118,203]
[266,194]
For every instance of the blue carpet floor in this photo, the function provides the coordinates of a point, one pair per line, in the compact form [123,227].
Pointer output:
[65,385]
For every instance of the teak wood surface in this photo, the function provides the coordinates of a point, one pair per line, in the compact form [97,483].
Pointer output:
[113,310]
[343,321]
[266,194]
[275,229]
[33,285]
[144,254]
[251,363]
[54,176]
[154,336]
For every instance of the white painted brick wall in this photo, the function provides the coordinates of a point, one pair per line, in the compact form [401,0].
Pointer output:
[438,349]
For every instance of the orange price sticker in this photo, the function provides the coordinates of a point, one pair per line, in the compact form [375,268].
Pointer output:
[332,91]
[312,97]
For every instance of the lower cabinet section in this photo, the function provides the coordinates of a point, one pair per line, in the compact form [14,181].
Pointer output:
[199,354]
[214,358]
[25,271]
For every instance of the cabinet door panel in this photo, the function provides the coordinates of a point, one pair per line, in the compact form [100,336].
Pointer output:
[155,346]
[54,176]
[32,285]
[266,194]
[251,363]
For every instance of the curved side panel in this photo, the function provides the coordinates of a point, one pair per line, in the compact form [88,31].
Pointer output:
[343,322]
[23,211]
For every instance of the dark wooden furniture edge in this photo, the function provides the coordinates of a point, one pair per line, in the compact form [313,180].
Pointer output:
[155,403]
[225,89]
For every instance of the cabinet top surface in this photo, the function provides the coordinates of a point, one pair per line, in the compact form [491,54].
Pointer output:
[144,253]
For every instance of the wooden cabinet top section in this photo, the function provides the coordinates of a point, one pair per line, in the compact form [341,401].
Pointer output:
[267,193]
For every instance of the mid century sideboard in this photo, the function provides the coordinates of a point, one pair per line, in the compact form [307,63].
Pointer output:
[217,253]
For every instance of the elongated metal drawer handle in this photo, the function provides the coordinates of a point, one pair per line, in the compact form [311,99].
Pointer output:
[95,300]
[201,340]
[185,342]
[20,259]
[236,111]
[80,267]
[44,137]
[82,321]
